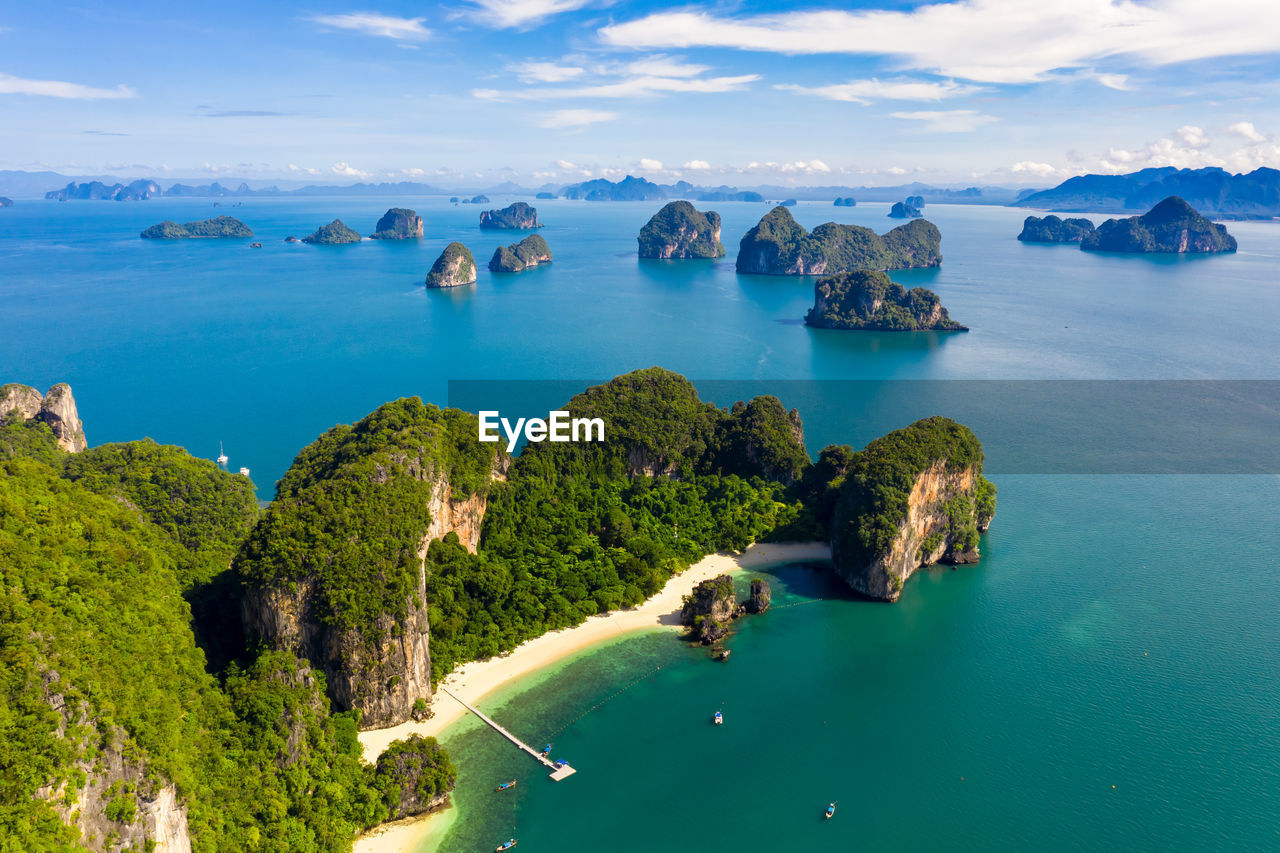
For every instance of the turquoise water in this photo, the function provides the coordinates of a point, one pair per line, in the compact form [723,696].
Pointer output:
[1119,631]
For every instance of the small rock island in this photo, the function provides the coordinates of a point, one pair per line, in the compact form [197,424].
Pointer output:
[868,300]
[6,202]
[712,605]
[219,226]
[846,201]
[909,209]
[333,234]
[398,223]
[1052,229]
[517,217]
[530,252]
[679,230]
[454,267]
[912,498]
[1171,226]
[778,245]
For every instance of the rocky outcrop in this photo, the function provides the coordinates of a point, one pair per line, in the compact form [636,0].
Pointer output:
[6,202]
[1052,229]
[709,609]
[518,216]
[846,201]
[530,252]
[454,267]
[679,230]
[909,209]
[761,596]
[912,498]
[416,776]
[333,234]
[778,245]
[870,301]
[398,223]
[56,408]
[219,226]
[1172,226]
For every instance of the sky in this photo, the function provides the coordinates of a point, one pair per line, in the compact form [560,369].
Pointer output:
[543,91]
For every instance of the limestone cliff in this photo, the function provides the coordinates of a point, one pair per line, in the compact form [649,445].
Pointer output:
[709,609]
[57,408]
[680,230]
[415,775]
[869,300]
[454,267]
[398,223]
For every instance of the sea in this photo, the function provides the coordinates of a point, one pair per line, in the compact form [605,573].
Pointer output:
[1107,677]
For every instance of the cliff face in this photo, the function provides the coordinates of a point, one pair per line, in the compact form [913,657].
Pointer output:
[56,408]
[398,223]
[679,230]
[709,609]
[454,267]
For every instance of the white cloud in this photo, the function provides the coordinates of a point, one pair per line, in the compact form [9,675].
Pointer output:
[545,72]
[639,87]
[650,165]
[489,94]
[10,85]
[348,171]
[698,166]
[375,24]
[948,121]
[899,89]
[1192,136]
[665,66]
[1247,130]
[574,118]
[994,41]
[517,13]
[896,170]
[303,170]
[1030,167]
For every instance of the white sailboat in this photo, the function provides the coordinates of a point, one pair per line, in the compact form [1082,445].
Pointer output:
[222,456]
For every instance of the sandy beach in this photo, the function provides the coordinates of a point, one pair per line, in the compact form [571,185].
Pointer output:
[472,681]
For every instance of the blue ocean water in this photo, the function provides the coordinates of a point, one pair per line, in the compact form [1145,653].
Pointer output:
[1119,630]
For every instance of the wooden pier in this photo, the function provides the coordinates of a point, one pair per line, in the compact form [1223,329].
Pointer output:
[558,772]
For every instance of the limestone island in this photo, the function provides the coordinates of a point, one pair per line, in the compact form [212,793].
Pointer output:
[518,216]
[333,234]
[545,195]
[679,230]
[398,223]
[1171,226]
[6,202]
[731,195]
[846,201]
[1052,229]
[713,604]
[778,245]
[867,299]
[528,253]
[454,267]
[912,498]
[476,199]
[909,209]
[219,226]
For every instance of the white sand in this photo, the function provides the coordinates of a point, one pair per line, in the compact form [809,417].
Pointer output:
[472,681]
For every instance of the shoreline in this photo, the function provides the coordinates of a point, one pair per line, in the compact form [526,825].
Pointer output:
[474,680]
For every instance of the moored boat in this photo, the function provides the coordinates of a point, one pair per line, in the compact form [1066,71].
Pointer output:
[719,719]
[831,811]
[506,845]
[505,785]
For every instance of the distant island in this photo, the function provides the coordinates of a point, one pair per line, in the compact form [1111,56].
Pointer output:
[778,245]
[1211,190]
[1170,226]
[846,201]
[1051,229]
[545,195]
[476,199]
[868,300]
[6,202]
[454,267]
[518,216]
[628,189]
[530,252]
[333,234]
[731,195]
[679,230]
[96,190]
[398,223]
[791,202]
[219,226]
[909,209]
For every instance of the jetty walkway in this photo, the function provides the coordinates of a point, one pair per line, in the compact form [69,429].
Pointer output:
[558,772]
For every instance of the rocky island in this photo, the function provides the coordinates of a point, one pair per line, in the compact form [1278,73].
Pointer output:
[398,223]
[868,300]
[333,234]
[518,216]
[1052,229]
[139,190]
[454,267]
[219,226]
[6,202]
[530,252]
[909,209]
[708,610]
[778,245]
[1171,226]
[679,230]
[628,189]
[846,201]
[729,194]
[912,498]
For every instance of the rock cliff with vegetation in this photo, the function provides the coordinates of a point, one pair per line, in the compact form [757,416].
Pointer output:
[1052,229]
[56,409]
[414,776]
[219,226]
[530,252]
[333,234]
[398,223]
[679,230]
[870,301]
[909,209]
[778,245]
[517,216]
[846,201]
[761,596]
[139,190]
[910,499]
[453,268]
[709,609]
[1171,226]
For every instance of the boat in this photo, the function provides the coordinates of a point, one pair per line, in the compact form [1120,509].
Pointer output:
[831,811]
[505,785]
[222,455]
[546,750]
[719,719]
[506,845]
[244,472]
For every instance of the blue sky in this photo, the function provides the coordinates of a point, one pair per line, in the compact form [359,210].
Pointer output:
[983,91]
